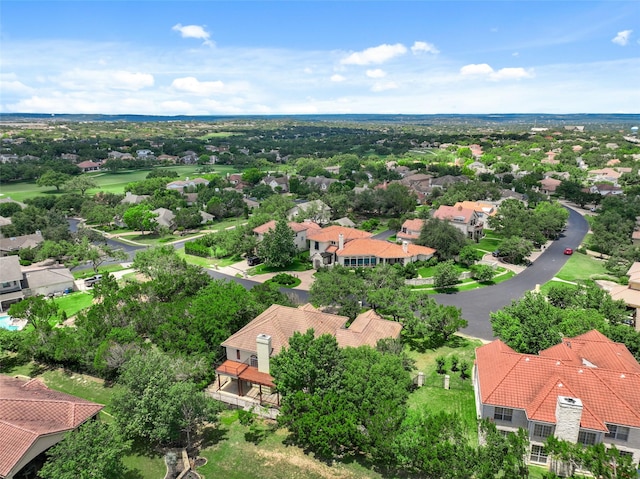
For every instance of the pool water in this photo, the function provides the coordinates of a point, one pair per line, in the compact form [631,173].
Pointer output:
[5,323]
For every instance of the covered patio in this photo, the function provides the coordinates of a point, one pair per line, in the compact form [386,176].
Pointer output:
[240,381]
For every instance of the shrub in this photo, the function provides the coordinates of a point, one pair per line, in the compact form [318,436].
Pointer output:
[284,279]
[195,248]
[440,363]
[454,363]
[464,370]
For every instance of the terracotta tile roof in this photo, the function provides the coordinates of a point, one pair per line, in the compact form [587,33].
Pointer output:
[383,249]
[280,322]
[413,225]
[450,213]
[296,227]
[331,233]
[368,328]
[601,373]
[484,208]
[28,409]
[246,372]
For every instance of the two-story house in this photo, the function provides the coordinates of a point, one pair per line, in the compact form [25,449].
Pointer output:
[301,231]
[244,379]
[583,390]
[11,282]
[324,243]
[410,230]
[370,252]
[466,220]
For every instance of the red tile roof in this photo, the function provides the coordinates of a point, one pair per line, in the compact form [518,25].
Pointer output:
[280,322]
[601,373]
[331,233]
[382,249]
[449,213]
[28,410]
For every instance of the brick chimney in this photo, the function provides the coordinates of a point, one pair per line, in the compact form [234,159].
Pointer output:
[340,241]
[405,246]
[263,348]
[568,415]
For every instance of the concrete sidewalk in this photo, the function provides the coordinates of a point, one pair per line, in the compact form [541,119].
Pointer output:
[240,269]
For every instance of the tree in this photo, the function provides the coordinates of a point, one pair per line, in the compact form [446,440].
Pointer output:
[482,272]
[515,249]
[469,255]
[140,218]
[93,450]
[445,274]
[53,178]
[338,286]
[441,235]
[82,183]
[502,455]
[277,247]
[37,311]
[96,254]
[158,400]
[528,325]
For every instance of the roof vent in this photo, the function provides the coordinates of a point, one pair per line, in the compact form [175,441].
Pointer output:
[526,359]
[580,371]
[560,385]
[558,363]
[622,376]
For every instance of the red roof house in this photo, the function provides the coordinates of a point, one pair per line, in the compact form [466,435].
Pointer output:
[584,390]
[33,418]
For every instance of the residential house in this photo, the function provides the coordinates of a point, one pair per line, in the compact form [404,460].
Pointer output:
[324,243]
[277,183]
[583,390]
[14,244]
[466,220]
[478,167]
[46,280]
[606,189]
[344,221]
[334,170]
[484,209]
[182,186]
[86,166]
[549,185]
[410,230]
[166,218]
[301,231]
[244,378]
[370,252]
[168,158]
[317,211]
[119,155]
[320,182]
[144,153]
[70,156]
[630,294]
[610,175]
[41,279]
[446,180]
[131,199]
[189,157]
[34,418]
[206,217]
[11,282]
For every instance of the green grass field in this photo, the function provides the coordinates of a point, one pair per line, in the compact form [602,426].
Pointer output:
[73,303]
[582,266]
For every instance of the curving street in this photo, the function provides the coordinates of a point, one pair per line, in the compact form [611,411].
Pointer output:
[477,304]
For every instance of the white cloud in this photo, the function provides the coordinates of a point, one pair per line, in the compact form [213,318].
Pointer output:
[374,55]
[622,38]
[194,31]
[77,79]
[377,73]
[485,70]
[383,86]
[337,78]
[420,47]
[515,54]
[193,85]
[308,71]
[476,69]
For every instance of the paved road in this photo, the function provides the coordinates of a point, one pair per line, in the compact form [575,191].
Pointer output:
[477,304]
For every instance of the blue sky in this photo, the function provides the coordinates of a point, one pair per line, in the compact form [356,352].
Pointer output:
[319,57]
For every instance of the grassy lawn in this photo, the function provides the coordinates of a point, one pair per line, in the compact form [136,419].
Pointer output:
[428,271]
[459,398]
[582,266]
[489,242]
[299,264]
[232,456]
[208,262]
[72,303]
[152,239]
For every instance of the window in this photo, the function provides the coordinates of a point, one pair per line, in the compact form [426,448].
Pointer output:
[625,453]
[542,430]
[237,354]
[617,432]
[254,360]
[538,454]
[503,414]
[587,438]
[317,245]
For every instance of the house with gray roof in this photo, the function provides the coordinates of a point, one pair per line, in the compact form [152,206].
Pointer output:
[14,244]
[10,282]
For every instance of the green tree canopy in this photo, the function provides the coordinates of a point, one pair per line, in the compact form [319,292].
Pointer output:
[277,248]
[441,235]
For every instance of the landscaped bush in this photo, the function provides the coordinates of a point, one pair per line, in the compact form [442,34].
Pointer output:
[195,248]
[440,364]
[284,279]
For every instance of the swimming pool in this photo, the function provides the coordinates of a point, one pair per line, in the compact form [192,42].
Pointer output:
[5,323]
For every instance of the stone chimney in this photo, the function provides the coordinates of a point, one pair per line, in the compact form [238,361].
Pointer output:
[263,347]
[405,246]
[568,415]
[340,241]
